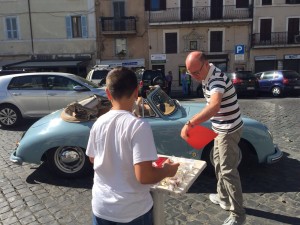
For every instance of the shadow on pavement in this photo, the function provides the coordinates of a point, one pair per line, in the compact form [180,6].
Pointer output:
[272,216]
[282,176]
[42,174]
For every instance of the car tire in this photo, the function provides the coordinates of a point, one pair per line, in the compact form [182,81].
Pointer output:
[10,116]
[247,156]
[276,91]
[158,81]
[69,162]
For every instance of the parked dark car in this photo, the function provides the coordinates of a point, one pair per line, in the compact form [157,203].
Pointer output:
[148,78]
[279,82]
[245,83]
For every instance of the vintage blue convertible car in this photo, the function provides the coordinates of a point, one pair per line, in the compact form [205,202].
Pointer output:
[60,138]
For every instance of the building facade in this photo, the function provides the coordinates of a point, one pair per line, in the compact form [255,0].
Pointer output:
[275,41]
[215,27]
[122,38]
[59,35]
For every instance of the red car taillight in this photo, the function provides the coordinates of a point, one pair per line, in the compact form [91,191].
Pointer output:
[141,83]
[237,81]
[285,81]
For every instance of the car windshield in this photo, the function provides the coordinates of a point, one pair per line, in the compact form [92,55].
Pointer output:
[149,75]
[291,74]
[89,83]
[163,102]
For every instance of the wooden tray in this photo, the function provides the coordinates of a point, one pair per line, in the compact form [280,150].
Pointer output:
[196,167]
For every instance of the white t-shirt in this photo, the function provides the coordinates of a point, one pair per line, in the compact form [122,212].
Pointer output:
[117,141]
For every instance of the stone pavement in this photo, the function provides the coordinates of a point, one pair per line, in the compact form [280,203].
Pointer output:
[30,195]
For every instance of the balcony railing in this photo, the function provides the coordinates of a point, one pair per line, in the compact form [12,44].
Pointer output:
[112,25]
[275,38]
[200,14]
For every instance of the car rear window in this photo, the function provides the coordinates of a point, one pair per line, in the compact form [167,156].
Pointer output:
[291,74]
[100,74]
[245,75]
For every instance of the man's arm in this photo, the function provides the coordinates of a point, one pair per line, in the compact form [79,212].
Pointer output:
[209,111]
[91,159]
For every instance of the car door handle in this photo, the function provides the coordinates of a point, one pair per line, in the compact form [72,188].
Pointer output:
[52,94]
[16,94]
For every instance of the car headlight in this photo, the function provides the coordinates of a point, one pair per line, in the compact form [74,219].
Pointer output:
[18,142]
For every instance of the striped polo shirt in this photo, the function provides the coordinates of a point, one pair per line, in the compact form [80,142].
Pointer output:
[228,119]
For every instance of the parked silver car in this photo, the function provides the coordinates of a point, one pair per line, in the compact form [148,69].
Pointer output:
[34,95]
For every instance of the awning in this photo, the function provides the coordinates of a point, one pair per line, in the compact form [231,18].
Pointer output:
[125,62]
[48,64]
[3,63]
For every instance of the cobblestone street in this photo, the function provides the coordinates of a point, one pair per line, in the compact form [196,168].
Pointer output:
[31,195]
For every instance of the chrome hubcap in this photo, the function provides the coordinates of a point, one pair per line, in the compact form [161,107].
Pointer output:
[276,91]
[8,116]
[69,159]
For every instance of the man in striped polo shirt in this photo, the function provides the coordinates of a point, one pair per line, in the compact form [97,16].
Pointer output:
[223,110]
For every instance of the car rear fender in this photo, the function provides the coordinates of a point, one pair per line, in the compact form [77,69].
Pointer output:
[258,136]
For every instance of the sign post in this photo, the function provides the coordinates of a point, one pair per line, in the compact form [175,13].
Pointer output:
[239,52]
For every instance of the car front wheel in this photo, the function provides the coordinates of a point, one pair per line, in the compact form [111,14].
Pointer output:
[69,162]
[246,156]
[10,116]
[276,91]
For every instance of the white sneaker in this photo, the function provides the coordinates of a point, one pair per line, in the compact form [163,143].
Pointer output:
[234,221]
[214,198]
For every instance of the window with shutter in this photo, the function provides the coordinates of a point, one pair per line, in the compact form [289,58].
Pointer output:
[155,5]
[11,28]
[216,41]
[266,2]
[76,27]
[170,43]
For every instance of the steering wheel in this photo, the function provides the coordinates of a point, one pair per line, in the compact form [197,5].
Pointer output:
[158,81]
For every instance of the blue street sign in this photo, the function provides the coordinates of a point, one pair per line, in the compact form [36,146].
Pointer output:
[239,49]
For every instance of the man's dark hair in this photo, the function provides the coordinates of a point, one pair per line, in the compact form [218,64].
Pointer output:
[121,82]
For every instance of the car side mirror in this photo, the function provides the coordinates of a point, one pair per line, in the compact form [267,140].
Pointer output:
[79,88]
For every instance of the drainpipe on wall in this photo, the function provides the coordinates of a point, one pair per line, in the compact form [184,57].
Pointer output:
[30,25]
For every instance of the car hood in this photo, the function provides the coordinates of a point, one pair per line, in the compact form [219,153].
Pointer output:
[100,91]
[193,108]
[54,116]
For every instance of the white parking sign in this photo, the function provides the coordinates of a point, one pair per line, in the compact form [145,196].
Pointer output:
[239,49]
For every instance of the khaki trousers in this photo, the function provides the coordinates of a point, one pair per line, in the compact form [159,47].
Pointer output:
[226,156]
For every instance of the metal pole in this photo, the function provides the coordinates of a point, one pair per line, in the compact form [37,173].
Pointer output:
[30,24]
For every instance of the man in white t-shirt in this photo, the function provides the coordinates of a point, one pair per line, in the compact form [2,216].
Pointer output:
[121,147]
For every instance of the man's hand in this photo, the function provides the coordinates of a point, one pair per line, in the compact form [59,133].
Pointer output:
[209,111]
